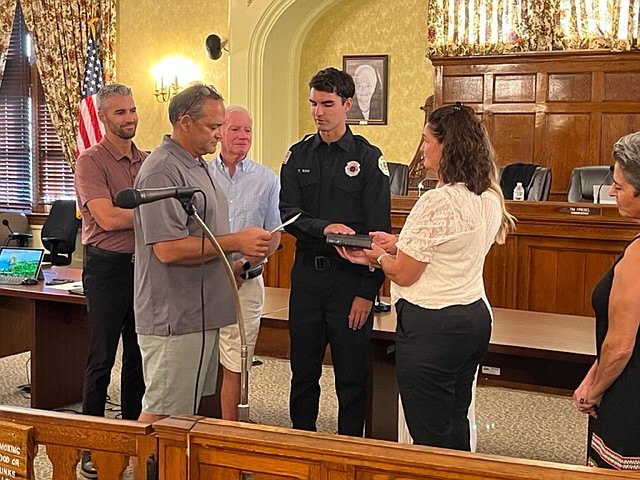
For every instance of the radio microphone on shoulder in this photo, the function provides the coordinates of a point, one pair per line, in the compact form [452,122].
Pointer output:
[134,197]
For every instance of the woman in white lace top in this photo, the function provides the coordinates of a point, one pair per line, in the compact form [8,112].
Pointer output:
[435,267]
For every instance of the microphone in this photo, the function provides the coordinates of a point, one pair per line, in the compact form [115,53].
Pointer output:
[19,238]
[5,222]
[603,182]
[133,197]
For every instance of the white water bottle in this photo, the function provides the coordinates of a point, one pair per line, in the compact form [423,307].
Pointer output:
[518,192]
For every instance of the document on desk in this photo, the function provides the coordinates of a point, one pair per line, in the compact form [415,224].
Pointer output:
[288,222]
[66,286]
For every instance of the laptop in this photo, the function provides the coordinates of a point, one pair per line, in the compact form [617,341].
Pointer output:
[19,264]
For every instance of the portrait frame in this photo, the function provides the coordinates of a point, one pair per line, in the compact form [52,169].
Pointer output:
[377,99]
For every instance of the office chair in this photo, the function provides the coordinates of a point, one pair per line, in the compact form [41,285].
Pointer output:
[398,178]
[540,185]
[15,228]
[59,232]
[535,179]
[582,181]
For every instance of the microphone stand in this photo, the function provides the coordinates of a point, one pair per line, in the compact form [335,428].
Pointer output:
[243,406]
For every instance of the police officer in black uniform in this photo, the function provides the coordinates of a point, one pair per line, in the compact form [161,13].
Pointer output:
[339,183]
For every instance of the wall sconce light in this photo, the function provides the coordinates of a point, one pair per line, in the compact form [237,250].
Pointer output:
[165,89]
[171,75]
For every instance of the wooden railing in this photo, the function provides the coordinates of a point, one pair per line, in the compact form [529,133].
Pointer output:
[111,442]
[195,448]
[230,450]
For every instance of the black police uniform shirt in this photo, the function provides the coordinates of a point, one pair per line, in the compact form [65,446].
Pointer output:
[343,182]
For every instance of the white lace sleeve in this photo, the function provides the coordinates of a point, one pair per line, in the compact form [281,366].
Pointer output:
[435,218]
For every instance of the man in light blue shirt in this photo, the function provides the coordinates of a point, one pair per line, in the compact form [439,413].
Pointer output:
[253,193]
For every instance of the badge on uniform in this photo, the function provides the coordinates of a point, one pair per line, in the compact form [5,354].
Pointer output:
[286,157]
[352,169]
[382,165]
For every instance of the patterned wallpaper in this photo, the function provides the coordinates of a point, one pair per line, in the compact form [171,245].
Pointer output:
[149,30]
[397,29]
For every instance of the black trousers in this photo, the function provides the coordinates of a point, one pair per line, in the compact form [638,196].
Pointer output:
[108,286]
[318,315]
[437,354]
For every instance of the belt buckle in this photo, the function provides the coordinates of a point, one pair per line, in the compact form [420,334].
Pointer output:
[321,263]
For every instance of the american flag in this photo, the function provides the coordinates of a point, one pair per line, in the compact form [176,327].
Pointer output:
[90,128]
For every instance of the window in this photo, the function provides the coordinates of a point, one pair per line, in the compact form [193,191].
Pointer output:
[33,169]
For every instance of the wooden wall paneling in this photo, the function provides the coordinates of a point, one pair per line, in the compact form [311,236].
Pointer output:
[567,145]
[514,88]
[514,137]
[569,87]
[601,85]
[537,277]
[571,282]
[622,86]
[614,126]
[500,274]
[465,89]
[558,274]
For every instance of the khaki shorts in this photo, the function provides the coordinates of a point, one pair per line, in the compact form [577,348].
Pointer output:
[251,300]
[170,365]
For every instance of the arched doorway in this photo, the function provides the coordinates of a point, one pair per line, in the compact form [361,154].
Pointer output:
[266,42]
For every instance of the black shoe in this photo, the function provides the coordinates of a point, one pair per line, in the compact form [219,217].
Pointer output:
[86,467]
[256,362]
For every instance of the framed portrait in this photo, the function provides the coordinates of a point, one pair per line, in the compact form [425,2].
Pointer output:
[369,73]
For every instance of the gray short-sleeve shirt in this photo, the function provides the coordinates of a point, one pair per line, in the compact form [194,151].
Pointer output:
[167,296]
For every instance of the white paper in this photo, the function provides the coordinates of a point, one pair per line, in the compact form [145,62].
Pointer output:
[288,222]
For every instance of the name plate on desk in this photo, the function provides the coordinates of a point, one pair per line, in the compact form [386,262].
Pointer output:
[581,210]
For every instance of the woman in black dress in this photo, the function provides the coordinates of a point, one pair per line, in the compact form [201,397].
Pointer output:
[610,392]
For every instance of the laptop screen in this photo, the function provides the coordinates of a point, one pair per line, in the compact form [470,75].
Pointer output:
[20,262]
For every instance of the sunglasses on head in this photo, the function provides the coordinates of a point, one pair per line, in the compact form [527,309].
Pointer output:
[205,91]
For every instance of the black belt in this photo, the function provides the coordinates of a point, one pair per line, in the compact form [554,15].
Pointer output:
[109,255]
[321,262]
[252,273]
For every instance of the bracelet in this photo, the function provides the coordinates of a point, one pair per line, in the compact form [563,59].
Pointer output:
[381,257]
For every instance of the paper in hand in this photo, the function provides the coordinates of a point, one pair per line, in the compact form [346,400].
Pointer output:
[288,222]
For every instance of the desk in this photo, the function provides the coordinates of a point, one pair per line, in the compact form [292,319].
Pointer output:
[52,325]
[546,351]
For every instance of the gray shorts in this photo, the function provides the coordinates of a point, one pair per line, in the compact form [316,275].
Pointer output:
[170,365]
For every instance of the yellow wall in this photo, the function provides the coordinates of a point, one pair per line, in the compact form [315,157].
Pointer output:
[149,30]
[398,29]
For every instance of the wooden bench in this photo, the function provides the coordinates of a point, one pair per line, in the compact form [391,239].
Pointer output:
[531,350]
[207,448]
[65,435]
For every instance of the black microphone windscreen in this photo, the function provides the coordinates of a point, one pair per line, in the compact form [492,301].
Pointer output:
[5,222]
[128,198]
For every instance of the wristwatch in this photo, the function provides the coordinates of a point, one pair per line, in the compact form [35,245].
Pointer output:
[246,265]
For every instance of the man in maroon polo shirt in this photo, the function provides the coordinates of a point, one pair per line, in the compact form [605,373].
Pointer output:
[107,233]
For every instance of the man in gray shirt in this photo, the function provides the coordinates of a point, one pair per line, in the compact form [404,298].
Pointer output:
[181,301]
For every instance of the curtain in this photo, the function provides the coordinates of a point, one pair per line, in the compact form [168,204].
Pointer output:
[7,12]
[482,27]
[60,31]
[611,24]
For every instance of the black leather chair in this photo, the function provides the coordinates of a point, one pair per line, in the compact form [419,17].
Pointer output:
[15,228]
[540,185]
[59,232]
[398,178]
[535,179]
[582,181]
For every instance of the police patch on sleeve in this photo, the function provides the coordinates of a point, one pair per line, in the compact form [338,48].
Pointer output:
[286,157]
[382,165]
